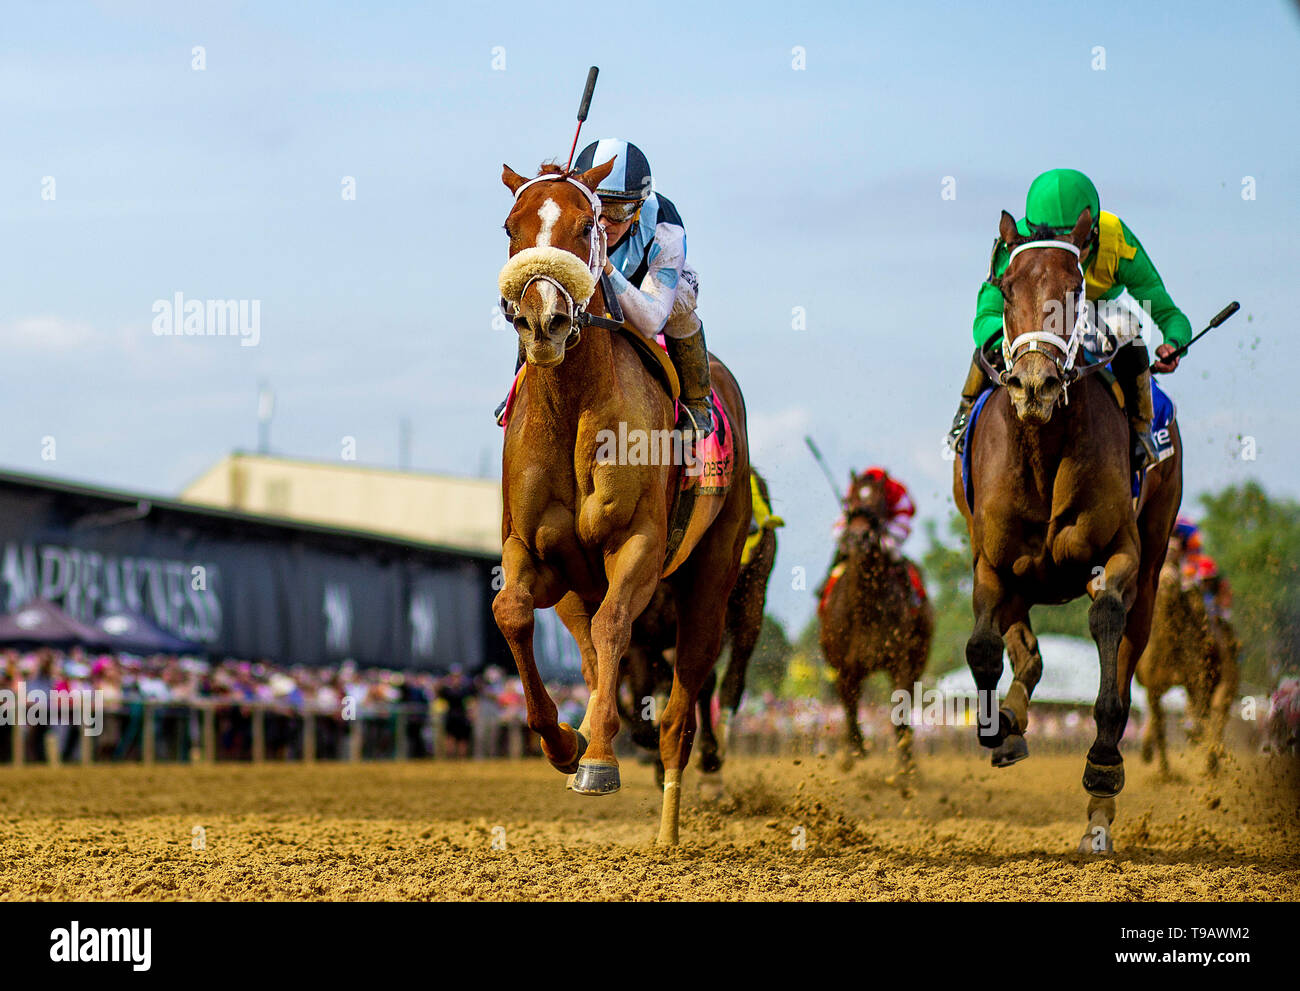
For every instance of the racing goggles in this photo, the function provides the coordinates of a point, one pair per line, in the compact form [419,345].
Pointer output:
[619,211]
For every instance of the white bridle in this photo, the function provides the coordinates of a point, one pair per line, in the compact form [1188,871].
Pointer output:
[1034,341]
[595,254]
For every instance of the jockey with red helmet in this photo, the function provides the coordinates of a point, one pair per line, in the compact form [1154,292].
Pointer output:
[896,510]
[898,502]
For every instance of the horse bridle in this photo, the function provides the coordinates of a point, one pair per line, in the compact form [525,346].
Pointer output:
[1036,341]
[581,316]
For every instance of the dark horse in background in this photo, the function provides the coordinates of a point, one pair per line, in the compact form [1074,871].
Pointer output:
[1190,647]
[873,617]
[1053,517]
[648,669]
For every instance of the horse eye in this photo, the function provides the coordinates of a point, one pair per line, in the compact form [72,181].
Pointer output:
[587,228]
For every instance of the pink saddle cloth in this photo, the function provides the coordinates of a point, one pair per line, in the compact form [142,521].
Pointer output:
[714,457]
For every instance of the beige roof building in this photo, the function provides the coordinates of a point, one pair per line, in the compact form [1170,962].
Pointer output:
[458,513]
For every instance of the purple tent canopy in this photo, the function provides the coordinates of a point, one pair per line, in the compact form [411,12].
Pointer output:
[43,624]
[135,634]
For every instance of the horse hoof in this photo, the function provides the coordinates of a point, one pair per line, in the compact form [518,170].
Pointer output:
[572,766]
[1102,781]
[711,788]
[1010,751]
[596,778]
[1096,841]
[710,763]
[991,737]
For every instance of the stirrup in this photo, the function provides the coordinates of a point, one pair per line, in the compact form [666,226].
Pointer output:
[957,434]
[1145,453]
[698,419]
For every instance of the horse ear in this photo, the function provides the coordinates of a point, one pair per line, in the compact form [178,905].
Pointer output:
[1007,230]
[511,178]
[593,177]
[1082,229]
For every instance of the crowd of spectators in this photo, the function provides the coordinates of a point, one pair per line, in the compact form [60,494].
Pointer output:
[393,712]
[379,713]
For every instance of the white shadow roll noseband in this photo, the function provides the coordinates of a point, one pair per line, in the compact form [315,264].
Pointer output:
[574,280]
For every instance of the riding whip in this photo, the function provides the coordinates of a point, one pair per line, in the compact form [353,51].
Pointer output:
[1223,315]
[583,107]
[830,476]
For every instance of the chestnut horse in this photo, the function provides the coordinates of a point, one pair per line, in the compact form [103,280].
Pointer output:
[1053,514]
[871,621]
[581,531]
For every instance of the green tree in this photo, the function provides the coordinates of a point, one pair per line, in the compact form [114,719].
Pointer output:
[1255,540]
[771,658]
[947,571]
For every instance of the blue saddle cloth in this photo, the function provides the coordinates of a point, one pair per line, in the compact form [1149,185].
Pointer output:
[1165,412]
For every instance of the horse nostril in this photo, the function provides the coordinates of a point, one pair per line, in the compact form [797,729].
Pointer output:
[557,324]
[1013,382]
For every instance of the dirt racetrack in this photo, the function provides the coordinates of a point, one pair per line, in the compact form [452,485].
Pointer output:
[426,831]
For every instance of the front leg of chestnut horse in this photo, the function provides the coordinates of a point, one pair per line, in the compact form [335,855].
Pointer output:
[633,572]
[575,614]
[528,587]
[1118,613]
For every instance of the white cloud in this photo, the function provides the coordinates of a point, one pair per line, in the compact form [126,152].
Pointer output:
[51,334]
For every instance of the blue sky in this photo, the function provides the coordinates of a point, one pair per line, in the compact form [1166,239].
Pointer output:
[817,188]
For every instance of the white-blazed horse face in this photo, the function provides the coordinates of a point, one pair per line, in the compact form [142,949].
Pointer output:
[550,215]
[1039,292]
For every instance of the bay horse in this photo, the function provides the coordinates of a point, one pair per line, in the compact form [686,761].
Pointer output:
[870,619]
[581,531]
[1053,515]
[1192,648]
[647,667]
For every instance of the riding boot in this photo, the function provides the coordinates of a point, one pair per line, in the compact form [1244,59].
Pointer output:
[977,380]
[690,357]
[1132,368]
[500,412]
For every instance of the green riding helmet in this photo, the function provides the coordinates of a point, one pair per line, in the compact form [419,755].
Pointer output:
[1057,197]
